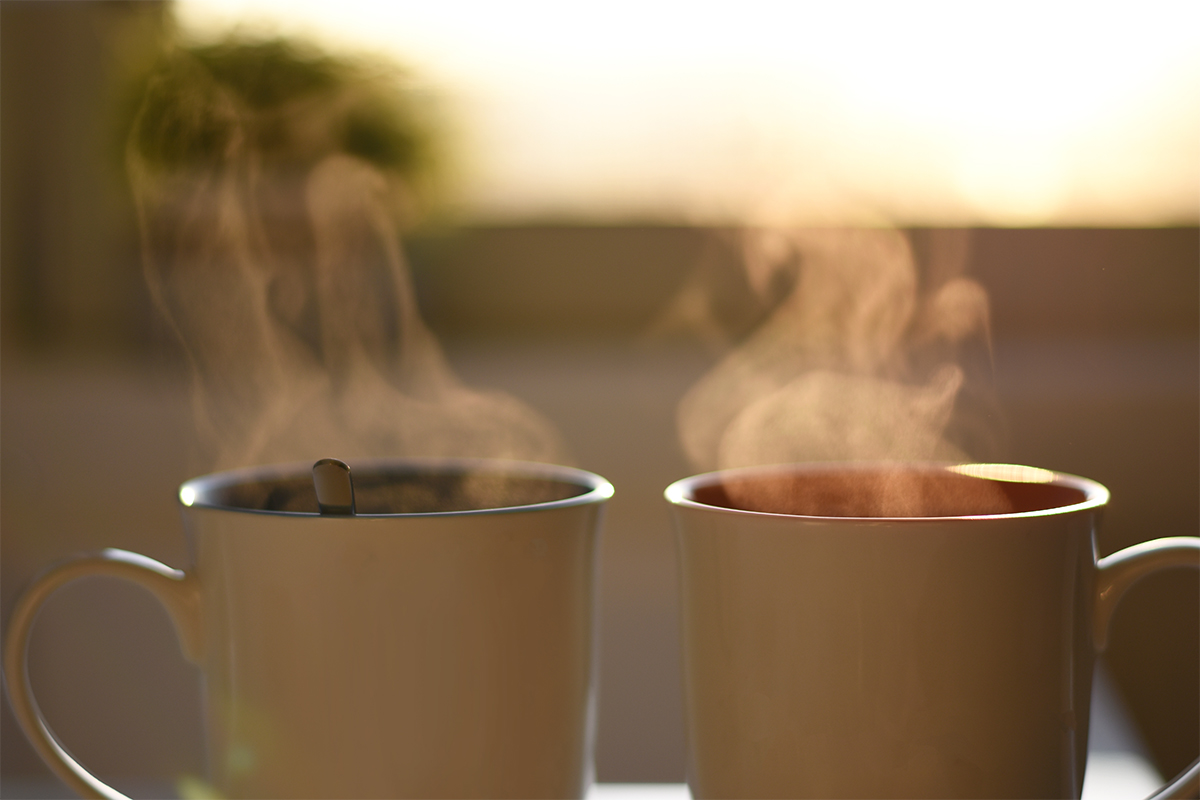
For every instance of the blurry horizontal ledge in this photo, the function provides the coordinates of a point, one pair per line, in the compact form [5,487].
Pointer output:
[1115,369]
[579,281]
[574,282]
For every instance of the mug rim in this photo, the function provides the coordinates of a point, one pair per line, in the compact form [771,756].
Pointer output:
[598,489]
[1095,494]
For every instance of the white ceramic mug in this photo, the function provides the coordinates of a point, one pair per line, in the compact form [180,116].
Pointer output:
[447,650]
[835,645]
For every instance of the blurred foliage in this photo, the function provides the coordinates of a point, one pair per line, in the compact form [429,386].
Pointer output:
[287,102]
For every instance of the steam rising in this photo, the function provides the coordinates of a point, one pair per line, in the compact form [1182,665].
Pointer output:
[858,361]
[269,182]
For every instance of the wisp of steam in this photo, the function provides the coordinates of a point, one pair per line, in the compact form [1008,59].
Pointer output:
[271,181]
[859,360]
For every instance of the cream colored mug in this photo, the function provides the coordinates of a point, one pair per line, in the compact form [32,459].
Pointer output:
[440,642]
[876,630]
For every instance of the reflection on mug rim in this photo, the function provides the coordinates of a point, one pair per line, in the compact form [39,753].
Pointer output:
[596,489]
[1096,495]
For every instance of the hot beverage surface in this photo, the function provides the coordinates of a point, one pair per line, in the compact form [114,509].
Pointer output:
[881,491]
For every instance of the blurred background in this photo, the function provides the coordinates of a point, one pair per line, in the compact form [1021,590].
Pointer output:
[588,167]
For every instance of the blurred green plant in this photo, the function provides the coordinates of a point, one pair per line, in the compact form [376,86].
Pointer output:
[288,104]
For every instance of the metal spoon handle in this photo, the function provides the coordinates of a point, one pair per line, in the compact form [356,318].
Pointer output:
[335,487]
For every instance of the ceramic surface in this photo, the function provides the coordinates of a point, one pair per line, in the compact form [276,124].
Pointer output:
[433,654]
[895,657]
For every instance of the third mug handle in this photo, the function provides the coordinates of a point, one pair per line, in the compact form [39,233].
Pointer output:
[1119,571]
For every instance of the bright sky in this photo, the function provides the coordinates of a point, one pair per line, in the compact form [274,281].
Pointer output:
[841,112]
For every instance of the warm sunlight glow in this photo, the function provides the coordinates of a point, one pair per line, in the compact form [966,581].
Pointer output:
[1006,472]
[1013,113]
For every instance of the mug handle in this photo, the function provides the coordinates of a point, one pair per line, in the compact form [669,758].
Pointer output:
[176,590]
[1116,573]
